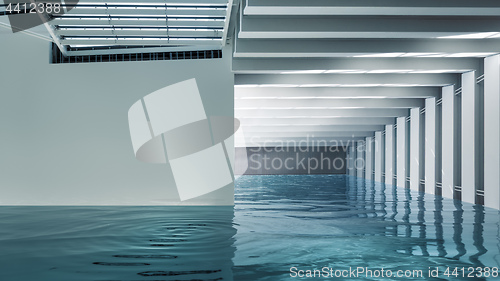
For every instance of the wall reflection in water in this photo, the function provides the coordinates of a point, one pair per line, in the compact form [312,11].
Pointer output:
[278,222]
[344,221]
[441,227]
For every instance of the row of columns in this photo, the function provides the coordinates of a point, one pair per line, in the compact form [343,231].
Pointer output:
[451,147]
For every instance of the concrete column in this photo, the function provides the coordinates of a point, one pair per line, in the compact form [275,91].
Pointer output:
[416,148]
[369,156]
[360,160]
[390,154]
[448,142]
[351,157]
[379,157]
[430,145]
[470,138]
[402,152]
[439,147]
[492,131]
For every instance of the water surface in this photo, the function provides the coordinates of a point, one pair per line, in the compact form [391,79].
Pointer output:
[278,222]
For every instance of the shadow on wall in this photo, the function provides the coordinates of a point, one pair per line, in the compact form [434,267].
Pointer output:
[171,126]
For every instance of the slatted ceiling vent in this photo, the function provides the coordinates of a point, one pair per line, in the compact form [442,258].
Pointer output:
[57,57]
[125,30]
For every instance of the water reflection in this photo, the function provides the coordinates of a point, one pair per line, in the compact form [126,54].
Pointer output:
[344,221]
[116,243]
[309,222]
[478,235]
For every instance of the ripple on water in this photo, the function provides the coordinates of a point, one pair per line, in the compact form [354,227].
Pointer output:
[278,222]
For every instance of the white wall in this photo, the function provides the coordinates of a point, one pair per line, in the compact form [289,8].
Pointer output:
[64,129]
[492,132]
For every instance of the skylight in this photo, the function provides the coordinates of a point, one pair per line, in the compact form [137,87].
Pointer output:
[98,27]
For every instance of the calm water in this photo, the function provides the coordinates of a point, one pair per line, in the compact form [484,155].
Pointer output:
[279,222]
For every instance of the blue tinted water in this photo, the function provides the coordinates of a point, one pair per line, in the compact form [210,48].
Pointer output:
[307,222]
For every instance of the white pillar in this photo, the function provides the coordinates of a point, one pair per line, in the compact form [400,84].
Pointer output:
[416,148]
[390,154]
[430,145]
[351,157]
[379,157]
[360,160]
[402,152]
[492,131]
[470,138]
[448,142]
[369,156]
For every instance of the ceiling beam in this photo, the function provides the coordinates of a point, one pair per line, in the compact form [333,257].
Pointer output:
[160,2]
[321,113]
[124,51]
[364,47]
[295,141]
[104,11]
[325,93]
[280,65]
[94,41]
[160,32]
[318,80]
[305,135]
[227,20]
[327,104]
[67,21]
[51,30]
[364,7]
[248,122]
[364,27]
[311,130]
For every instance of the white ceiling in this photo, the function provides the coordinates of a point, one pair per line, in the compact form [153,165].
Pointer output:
[323,69]
[338,68]
[128,26]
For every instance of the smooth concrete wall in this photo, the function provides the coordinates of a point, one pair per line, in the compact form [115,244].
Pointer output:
[64,129]
[492,131]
